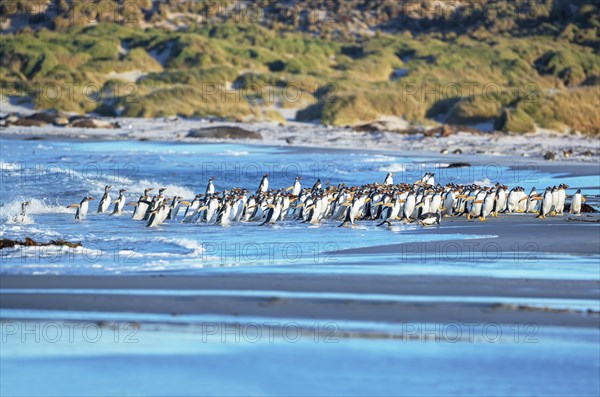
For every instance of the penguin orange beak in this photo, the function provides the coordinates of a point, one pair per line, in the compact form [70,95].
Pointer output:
[91,198]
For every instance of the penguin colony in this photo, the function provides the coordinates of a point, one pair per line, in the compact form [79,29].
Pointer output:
[423,202]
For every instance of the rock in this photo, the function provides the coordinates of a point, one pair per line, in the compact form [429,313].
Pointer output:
[87,122]
[46,117]
[567,153]
[226,132]
[457,151]
[588,153]
[458,165]
[289,140]
[444,151]
[389,124]
[28,242]
[30,123]
[549,156]
[586,208]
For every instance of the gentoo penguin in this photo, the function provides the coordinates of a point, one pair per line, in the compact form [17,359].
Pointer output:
[477,204]
[488,205]
[119,203]
[264,184]
[210,188]
[297,188]
[105,201]
[547,204]
[317,186]
[531,202]
[158,215]
[576,202]
[429,219]
[561,197]
[20,218]
[501,200]
[174,208]
[513,200]
[273,212]
[409,206]
[223,217]
[428,179]
[390,212]
[142,205]
[82,208]
[555,199]
[388,179]
[190,212]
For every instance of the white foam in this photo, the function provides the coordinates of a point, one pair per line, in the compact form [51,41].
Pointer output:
[394,167]
[137,188]
[4,166]
[9,211]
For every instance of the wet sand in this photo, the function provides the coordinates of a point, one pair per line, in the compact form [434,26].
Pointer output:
[510,234]
[267,303]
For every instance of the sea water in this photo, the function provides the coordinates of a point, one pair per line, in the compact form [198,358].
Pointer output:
[52,174]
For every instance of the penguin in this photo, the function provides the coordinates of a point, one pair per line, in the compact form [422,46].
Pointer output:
[547,204]
[105,201]
[223,217]
[210,188]
[561,197]
[475,210]
[488,205]
[555,199]
[22,216]
[158,215]
[264,184]
[273,212]
[428,179]
[531,202]
[513,201]
[390,212]
[82,208]
[317,186]
[430,218]
[190,212]
[142,205]
[297,187]
[576,202]
[174,209]
[501,200]
[119,203]
[409,206]
[388,179]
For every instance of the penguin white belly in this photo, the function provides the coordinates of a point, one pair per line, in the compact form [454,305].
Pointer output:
[576,204]
[104,203]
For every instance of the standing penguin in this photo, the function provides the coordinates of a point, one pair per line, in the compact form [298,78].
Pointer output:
[547,204]
[561,197]
[531,202]
[105,201]
[20,218]
[576,202]
[142,205]
[119,203]
[210,188]
[297,188]
[317,186]
[264,184]
[388,179]
[82,208]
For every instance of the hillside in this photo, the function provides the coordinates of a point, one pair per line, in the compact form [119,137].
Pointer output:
[513,66]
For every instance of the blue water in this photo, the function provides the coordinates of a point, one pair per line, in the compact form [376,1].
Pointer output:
[54,174]
[209,361]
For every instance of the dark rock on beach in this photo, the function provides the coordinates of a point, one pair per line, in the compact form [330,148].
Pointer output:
[28,242]
[227,132]
[458,165]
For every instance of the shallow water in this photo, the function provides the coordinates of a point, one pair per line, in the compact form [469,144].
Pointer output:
[451,360]
[53,174]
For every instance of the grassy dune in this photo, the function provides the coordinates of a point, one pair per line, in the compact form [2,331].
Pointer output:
[546,76]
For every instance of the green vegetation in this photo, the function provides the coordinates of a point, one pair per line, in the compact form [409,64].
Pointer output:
[539,70]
